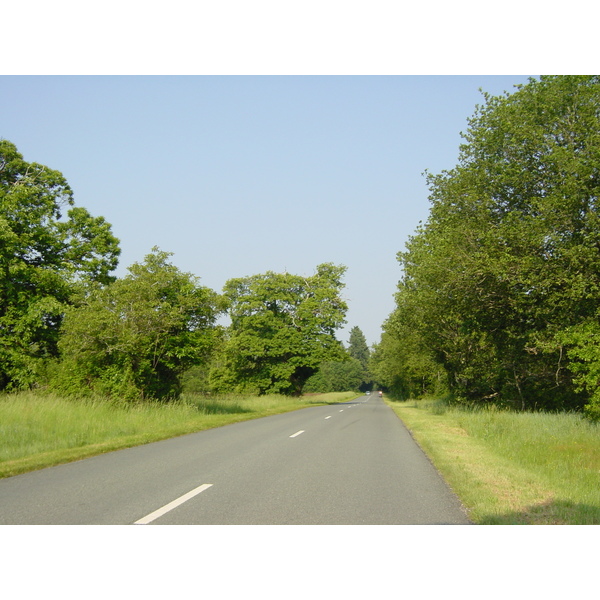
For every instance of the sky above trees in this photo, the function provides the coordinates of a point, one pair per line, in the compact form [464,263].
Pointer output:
[241,175]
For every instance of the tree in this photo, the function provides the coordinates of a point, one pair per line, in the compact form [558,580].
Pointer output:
[282,327]
[358,349]
[582,346]
[509,257]
[134,338]
[43,255]
[402,365]
[337,376]
[357,346]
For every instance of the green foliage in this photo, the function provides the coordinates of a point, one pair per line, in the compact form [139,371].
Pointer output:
[337,376]
[134,338]
[196,380]
[43,256]
[403,368]
[359,350]
[282,328]
[510,254]
[357,346]
[582,343]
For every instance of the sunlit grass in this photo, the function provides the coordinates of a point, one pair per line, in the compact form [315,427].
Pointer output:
[510,467]
[42,430]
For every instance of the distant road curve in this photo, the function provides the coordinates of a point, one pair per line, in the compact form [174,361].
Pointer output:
[348,464]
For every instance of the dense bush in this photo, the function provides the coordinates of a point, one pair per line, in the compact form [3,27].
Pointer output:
[137,336]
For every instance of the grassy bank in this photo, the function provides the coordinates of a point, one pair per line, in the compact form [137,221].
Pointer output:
[512,468]
[40,431]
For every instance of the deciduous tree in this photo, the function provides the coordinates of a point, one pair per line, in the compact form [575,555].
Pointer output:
[134,338]
[510,254]
[337,376]
[282,327]
[43,254]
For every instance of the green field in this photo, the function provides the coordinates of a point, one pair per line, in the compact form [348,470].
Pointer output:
[512,468]
[40,431]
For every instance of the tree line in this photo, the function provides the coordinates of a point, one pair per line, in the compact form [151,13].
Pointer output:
[499,300]
[498,303]
[69,325]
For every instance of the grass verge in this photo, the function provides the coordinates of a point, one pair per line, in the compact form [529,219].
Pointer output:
[41,431]
[512,468]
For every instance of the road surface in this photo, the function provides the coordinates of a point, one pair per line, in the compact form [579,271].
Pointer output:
[346,464]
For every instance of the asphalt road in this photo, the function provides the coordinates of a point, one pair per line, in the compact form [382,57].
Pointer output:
[348,464]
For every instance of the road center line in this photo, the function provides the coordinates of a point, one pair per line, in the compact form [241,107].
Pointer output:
[297,433]
[168,507]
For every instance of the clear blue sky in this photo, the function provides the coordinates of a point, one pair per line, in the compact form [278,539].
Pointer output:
[237,175]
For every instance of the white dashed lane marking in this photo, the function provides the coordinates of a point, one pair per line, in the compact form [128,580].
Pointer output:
[168,507]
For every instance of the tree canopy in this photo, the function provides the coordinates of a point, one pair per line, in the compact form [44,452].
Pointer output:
[499,299]
[357,346]
[43,255]
[499,281]
[134,338]
[282,327]
[68,323]
[337,376]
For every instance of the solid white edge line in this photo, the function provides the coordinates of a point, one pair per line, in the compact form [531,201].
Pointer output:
[168,507]
[297,433]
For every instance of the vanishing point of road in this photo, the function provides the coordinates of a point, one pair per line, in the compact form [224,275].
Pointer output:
[346,464]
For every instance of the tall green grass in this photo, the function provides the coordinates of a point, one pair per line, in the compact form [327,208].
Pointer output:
[513,467]
[562,449]
[42,430]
